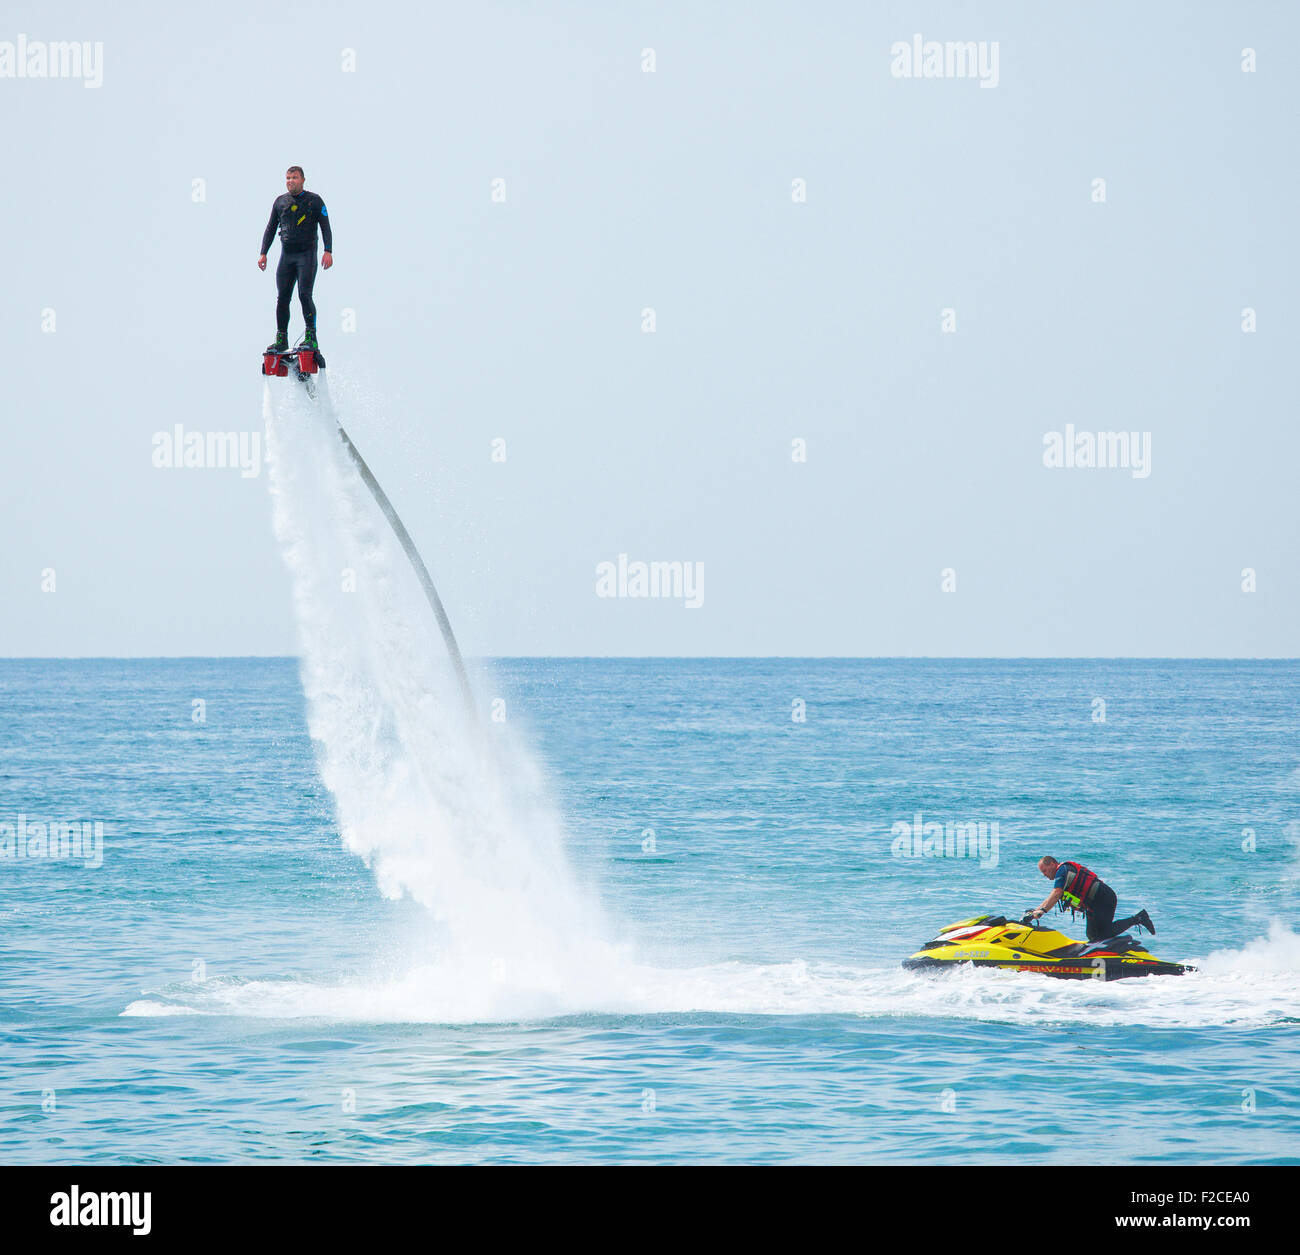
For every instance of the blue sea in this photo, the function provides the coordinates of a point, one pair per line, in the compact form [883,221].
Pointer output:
[648,911]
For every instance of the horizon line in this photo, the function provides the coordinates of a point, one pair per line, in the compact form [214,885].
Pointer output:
[690,657]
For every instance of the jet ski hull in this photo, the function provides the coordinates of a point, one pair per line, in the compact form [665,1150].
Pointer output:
[1103,969]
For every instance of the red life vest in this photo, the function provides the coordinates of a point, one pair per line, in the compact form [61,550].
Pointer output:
[1080,886]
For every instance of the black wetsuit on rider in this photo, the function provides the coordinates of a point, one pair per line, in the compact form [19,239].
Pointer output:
[297,217]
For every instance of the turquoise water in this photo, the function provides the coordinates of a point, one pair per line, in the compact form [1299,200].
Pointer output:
[231,984]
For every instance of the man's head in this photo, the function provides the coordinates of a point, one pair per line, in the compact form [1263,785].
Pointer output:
[1048,865]
[293,180]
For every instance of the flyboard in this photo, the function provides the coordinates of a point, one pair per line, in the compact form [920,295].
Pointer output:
[304,363]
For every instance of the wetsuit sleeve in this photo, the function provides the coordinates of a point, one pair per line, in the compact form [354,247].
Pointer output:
[269,234]
[1059,881]
[326,231]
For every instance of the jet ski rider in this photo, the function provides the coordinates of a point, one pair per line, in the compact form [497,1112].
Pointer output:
[1073,885]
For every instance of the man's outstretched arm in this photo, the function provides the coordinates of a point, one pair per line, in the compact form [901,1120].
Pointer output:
[1050,901]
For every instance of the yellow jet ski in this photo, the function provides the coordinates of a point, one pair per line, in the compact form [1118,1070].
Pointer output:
[1027,946]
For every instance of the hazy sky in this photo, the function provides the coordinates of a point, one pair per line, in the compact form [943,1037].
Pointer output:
[775,320]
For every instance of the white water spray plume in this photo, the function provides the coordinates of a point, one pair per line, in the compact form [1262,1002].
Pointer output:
[450,812]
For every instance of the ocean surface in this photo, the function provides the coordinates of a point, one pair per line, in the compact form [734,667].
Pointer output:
[319,909]
[231,984]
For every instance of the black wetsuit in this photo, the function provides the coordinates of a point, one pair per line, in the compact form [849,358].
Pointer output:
[1101,916]
[297,218]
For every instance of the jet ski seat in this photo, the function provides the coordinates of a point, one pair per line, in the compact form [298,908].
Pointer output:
[1110,945]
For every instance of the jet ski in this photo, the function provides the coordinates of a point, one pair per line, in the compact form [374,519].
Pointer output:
[1028,946]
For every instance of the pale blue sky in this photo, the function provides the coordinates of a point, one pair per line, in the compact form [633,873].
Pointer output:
[775,320]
